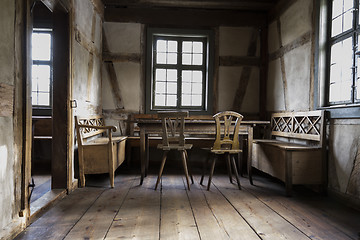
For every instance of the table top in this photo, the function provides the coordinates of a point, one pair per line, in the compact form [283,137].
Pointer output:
[201,119]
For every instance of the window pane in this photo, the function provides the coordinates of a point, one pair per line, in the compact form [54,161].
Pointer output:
[161,58]
[197,76]
[198,47]
[187,47]
[196,88]
[160,87]
[196,100]
[337,8]
[341,71]
[171,58]
[41,46]
[43,99]
[171,75]
[160,100]
[186,59]
[342,16]
[186,100]
[336,26]
[348,21]
[172,46]
[348,4]
[171,100]
[186,88]
[171,88]
[186,76]
[161,46]
[160,75]
[197,59]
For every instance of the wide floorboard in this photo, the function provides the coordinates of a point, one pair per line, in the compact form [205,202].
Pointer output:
[131,211]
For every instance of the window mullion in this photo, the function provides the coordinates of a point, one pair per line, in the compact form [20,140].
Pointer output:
[179,73]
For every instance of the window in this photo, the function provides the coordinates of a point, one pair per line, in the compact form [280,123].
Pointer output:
[343,62]
[178,70]
[42,68]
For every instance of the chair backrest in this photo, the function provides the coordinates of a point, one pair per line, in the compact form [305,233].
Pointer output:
[173,124]
[227,130]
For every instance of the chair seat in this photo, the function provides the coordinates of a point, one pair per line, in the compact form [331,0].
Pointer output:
[174,147]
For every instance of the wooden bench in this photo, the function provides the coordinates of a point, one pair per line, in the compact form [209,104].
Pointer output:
[296,151]
[99,151]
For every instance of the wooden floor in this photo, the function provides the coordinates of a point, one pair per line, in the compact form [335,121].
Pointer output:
[130,211]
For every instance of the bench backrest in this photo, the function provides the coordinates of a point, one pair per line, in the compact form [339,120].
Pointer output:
[308,125]
[84,132]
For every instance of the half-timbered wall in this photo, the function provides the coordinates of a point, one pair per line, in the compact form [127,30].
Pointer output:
[290,87]
[123,86]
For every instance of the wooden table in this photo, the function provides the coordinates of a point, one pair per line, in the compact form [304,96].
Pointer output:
[193,126]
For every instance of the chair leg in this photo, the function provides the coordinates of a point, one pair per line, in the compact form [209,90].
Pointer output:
[240,163]
[236,172]
[161,167]
[228,166]
[205,163]
[111,176]
[189,167]
[211,172]
[183,155]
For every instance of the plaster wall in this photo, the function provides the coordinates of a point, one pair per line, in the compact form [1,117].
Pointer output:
[296,21]
[10,137]
[275,100]
[344,156]
[229,78]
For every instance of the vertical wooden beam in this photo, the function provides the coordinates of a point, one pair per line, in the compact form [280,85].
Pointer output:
[263,71]
[60,146]
[282,65]
[315,16]
[245,74]
[216,73]
[142,69]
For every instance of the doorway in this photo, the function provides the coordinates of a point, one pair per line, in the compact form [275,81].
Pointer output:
[49,93]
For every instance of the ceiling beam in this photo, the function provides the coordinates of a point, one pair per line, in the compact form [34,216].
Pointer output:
[259,5]
[186,17]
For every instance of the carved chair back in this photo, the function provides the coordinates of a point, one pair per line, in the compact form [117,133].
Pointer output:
[173,124]
[227,131]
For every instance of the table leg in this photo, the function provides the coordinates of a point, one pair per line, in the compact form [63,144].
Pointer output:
[146,154]
[249,160]
[142,154]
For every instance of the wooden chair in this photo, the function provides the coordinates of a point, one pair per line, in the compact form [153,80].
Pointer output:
[226,142]
[173,124]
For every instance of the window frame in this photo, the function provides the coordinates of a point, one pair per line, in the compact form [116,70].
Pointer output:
[322,64]
[45,109]
[180,35]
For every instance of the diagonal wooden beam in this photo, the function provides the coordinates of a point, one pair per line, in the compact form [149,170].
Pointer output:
[112,78]
[245,74]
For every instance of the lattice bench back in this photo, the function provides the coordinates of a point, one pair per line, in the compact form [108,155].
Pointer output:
[300,125]
[85,132]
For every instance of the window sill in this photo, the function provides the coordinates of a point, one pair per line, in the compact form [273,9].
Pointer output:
[342,111]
